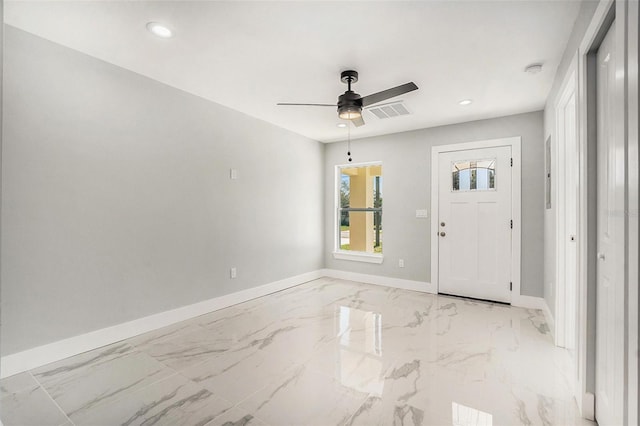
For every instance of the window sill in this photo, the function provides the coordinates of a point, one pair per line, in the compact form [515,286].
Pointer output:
[358,257]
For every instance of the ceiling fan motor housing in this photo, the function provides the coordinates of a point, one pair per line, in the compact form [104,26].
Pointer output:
[348,77]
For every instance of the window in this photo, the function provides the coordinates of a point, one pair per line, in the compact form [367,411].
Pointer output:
[473,175]
[359,213]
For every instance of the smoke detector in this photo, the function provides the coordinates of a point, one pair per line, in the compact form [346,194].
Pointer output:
[533,68]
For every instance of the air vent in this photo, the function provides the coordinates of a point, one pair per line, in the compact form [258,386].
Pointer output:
[389,110]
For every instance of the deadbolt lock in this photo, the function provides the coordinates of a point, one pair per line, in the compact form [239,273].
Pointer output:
[441,223]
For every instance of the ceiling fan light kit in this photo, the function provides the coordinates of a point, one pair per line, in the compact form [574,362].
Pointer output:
[349,113]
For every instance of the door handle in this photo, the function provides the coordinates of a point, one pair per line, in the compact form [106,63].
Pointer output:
[442,234]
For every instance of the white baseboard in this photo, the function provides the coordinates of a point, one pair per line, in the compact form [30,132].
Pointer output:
[42,355]
[422,286]
[551,322]
[532,302]
[589,406]
[528,302]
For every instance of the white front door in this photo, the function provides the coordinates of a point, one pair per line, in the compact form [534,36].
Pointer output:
[610,240]
[474,223]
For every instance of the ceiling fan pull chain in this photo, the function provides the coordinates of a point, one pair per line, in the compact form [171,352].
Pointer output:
[349,141]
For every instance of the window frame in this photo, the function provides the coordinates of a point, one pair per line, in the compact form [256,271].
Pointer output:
[338,253]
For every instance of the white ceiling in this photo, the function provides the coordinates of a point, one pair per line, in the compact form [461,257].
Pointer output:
[250,55]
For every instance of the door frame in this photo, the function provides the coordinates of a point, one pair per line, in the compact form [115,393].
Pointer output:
[561,184]
[633,211]
[516,206]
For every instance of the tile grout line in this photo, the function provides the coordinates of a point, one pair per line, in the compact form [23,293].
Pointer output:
[370,395]
[181,374]
[134,350]
[19,390]
[51,398]
[249,396]
[173,371]
[261,420]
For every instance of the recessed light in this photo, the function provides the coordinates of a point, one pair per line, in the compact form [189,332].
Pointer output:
[533,68]
[465,102]
[341,125]
[159,30]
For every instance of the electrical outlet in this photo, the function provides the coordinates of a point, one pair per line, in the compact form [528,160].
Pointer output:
[234,272]
[401,263]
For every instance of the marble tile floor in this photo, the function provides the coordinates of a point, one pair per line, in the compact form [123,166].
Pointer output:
[328,352]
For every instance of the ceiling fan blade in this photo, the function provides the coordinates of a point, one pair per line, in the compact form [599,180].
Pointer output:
[288,104]
[389,93]
[358,121]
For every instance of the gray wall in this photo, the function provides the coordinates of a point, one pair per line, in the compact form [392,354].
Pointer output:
[117,201]
[406,159]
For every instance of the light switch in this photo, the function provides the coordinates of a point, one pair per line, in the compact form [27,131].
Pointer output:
[233,173]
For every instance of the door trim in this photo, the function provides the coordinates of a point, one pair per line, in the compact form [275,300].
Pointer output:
[633,207]
[568,88]
[516,205]
[584,66]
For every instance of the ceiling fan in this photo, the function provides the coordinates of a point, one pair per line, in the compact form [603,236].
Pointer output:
[350,104]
